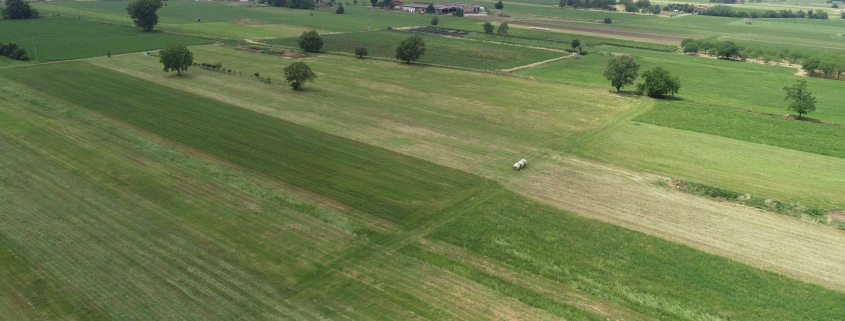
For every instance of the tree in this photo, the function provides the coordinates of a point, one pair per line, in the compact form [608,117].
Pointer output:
[310,41]
[301,4]
[410,49]
[811,64]
[458,12]
[143,13]
[355,2]
[607,20]
[691,48]
[389,4]
[176,57]
[360,52]
[374,3]
[643,4]
[340,9]
[658,83]
[435,21]
[621,71]
[843,14]
[499,5]
[298,73]
[562,3]
[277,3]
[428,10]
[655,9]
[687,41]
[727,49]
[502,31]
[576,44]
[488,28]
[18,9]
[802,100]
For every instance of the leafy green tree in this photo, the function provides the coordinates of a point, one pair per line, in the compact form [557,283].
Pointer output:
[643,4]
[143,13]
[176,57]
[410,49]
[389,4]
[458,12]
[655,9]
[691,48]
[607,20]
[277,3]
[499,5]
[801,99]
[374,3]
[488,28]
[727,49]
[502,31]
[355,2]
[310,41]
[360,52]
[811,64]
[301,4]
[298,73]
[428,10]
[687,41]
[576,45]
[340,9]
[18,9]
[621,71]
[658,83]
[562,3]
[435,21]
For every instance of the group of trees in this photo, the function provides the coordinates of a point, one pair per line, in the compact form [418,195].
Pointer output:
[502,30]
[12,51]
[830,65]
[293,4]
[727,11]
[657,83]
[387,4]
[18,9]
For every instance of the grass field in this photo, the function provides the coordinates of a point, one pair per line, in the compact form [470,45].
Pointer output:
[439,50]
[61,39]
[751,86]
[206,274]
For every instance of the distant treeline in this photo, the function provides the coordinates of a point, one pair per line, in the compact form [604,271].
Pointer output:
[295,4]
[727,11]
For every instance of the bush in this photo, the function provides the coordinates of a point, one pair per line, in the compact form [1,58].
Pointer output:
[435,21]
[458,13]
[360,52]
[310,41]
[607,20]
[339,10]
[658,83]
[499,5]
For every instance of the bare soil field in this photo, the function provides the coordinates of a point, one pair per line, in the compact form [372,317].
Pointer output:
[627,34]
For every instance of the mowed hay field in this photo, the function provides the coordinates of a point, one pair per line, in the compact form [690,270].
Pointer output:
[306,262]
[62,39]
[439,50]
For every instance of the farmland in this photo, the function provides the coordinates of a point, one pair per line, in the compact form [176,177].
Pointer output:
[383,189]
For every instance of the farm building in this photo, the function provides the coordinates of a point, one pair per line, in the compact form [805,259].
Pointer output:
[442,7]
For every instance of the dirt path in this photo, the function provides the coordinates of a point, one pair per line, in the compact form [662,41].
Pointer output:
[799,72]
[535,64]
[628,34]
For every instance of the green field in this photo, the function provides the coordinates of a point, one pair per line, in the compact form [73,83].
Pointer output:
[383,190]
[62,39]
[471,217]
[439,50]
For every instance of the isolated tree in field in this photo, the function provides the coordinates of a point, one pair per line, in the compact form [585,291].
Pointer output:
[340,9]
[621,71]
[489,28]
[355,2]
[502,31]
[374,3]
[499,5]
[410,49]
[298,73]
[435,21]
[801,99]
[428,10]
[310,41]
[360,52]
[176,57]
[607,20]
[658,83]
[18,9]
[143,13]
[576,45]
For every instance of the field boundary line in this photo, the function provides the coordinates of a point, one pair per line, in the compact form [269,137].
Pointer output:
[535,64]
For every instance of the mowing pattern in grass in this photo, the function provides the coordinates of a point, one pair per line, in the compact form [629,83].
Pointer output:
[439,50]
[650,275]
[396,187]
[763,129]
[60,39]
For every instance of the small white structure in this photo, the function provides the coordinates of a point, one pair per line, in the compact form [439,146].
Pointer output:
[519,165]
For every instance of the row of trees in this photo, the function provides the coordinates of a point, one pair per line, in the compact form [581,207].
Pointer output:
[410,49]
[727,11]
[12,51]
[828,65]
[294,4]
[657,83]
[502,31]
[18,9]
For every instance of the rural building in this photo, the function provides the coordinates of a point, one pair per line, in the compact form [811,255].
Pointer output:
[442,7]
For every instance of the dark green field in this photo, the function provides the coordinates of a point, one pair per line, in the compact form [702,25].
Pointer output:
[62,39]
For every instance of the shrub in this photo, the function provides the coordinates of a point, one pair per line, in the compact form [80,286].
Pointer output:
[310,41]
[339,10]
[360,52]
[502,31]
[459,13]
[488,28]
[499,5]
[435,21]
[607,20]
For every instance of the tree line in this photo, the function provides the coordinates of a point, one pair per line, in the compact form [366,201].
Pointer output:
[827,65]
[727,11]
